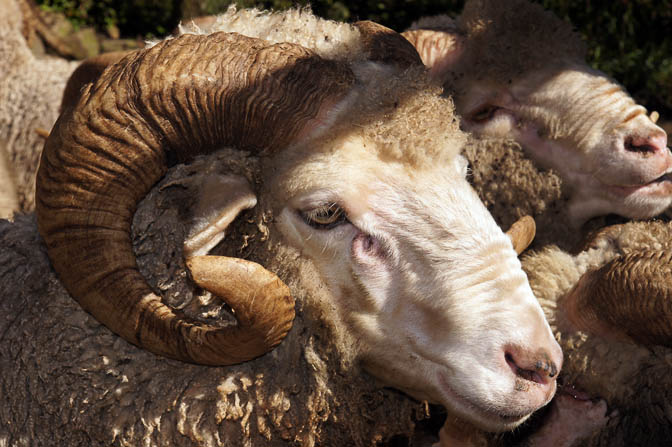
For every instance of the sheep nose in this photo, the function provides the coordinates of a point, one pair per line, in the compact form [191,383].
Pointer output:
[647,146]
[540,366]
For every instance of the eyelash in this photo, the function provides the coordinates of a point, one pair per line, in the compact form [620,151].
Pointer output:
[325,217]
[484,113]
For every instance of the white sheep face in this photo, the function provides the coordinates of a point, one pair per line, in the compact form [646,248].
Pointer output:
[613,157]
[424,279]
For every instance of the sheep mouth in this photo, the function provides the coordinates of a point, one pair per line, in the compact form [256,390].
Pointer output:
[667,177]
[574,392]
[661,185]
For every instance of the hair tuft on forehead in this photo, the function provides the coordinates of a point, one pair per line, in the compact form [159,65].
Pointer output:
[406,117]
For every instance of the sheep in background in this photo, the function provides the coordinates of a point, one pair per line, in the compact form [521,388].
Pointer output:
[346,168]
[517,71]
[30,94]
[610,307]
[511,186]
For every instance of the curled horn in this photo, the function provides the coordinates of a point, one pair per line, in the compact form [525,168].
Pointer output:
[522,233]
[155,108]
[88,71]
[630,295]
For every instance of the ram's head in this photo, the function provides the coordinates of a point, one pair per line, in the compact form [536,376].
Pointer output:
[360,178]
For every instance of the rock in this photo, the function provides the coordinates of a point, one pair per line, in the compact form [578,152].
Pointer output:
[84,43]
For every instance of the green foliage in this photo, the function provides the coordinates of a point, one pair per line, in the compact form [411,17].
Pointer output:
[75,11]
[133,17]
[628,39]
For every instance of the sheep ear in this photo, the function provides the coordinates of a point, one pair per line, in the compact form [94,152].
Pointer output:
[439,50]
[221,199]
[326,117]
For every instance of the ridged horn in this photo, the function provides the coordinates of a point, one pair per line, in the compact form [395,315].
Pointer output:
[522,233]
[263,303]
[385,45]
[88,71]
[630,295]
[156,108]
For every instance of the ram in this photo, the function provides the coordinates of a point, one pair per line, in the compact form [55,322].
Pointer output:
[362,209]
[111,386]
[517,71]
[87,387]
[30,95]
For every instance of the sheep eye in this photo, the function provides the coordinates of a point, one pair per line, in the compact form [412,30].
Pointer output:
[484,113]
[325,217]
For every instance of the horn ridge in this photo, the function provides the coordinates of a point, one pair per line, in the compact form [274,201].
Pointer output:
[631,294]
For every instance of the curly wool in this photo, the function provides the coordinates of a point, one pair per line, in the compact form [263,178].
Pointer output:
[405,99]
[638,376]
[329,39]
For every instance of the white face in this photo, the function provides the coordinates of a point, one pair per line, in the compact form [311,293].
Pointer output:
[425,280]
[611,155]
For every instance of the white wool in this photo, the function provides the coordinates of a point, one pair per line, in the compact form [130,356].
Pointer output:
[329,39]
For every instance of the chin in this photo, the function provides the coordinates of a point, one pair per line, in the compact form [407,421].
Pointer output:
[639,203]
[644,206]
[497,418]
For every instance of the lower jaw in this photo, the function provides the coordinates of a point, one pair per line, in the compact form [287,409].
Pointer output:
[486,420]
[657,190]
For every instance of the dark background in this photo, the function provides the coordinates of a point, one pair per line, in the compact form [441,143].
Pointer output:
[631,40]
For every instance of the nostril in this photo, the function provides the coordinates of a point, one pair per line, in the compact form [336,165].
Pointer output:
[645,145]
[632,145]
[526,374]
[539,371]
